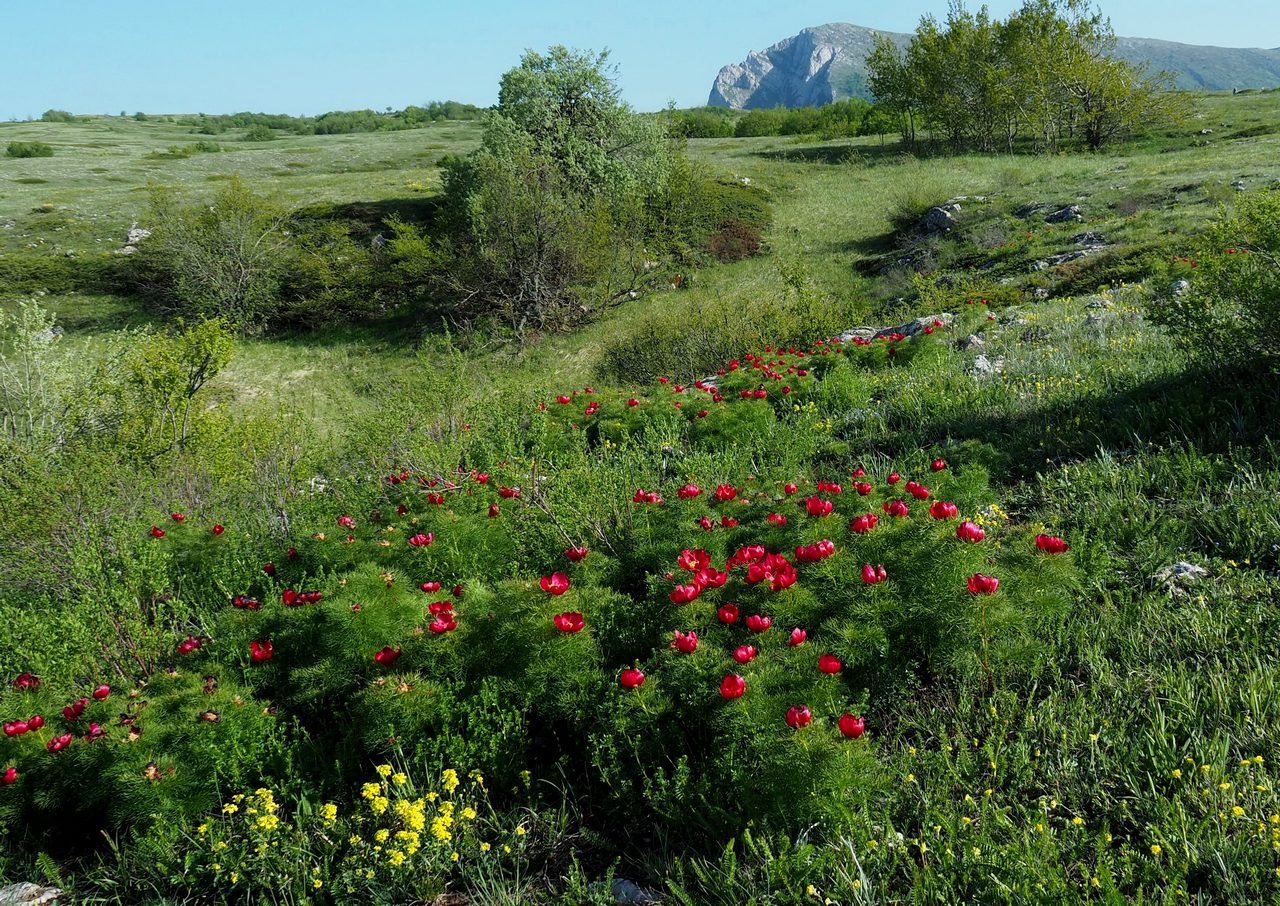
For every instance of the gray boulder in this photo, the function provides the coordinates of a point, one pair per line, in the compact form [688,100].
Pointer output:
[26,894]
[1069,214]
[939,220]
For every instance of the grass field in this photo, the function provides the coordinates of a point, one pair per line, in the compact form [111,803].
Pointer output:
[1132,757]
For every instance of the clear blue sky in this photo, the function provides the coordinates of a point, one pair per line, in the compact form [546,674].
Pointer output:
[289,56]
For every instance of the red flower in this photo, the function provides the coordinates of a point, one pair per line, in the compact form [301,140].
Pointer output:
[858,472]
[631,677]
[555,584]
[289,597]
[817,507]
[688,492]
[727,614]
[346,522]
[494,511]
[576,554]
[790,488]
[9,776]
[509,492]
[732,686]
[797,637]
[799,716]
[269,569]
[917,490]
[941,510]
[693,560]
[863,488]
[633,402]
[26,681]
[745,654]
[261,651]
[749,554]
[895,508]
[937,465]
[864,524]
[569,621]
[421,540]
[177,517]
[457,590]
[710,578]
[157,532]
[387,656]
[75,709]
[685,643]
[430,587]
[812,553]
[829,663]
[983,585]
[874,574]
[728,522]
[1051,544]
[436,608]
[851,726]
[726,492]
[894,478]
[15,727]
[683,594]
[774,569]
[58,743]
[218,530]
[706,524]
[189,644]
[759,623]
[35,722]
[970,532]
[101,692]
[776,519]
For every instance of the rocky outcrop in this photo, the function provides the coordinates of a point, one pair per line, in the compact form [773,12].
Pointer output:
[828,62]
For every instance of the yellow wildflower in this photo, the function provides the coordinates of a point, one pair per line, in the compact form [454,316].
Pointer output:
[399,778]
[230,809]
[382,835]
[328,813]
[449,780]
[384,770]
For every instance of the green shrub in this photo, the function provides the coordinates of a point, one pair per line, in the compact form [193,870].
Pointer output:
[29,149]
[258,132]
[57,116]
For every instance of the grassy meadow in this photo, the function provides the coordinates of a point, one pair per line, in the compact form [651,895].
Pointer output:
[1108,731]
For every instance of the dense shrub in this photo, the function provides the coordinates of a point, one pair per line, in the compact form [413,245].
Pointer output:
[702,122]
[57,116]
[29,149]
[1233,307]
[258,132]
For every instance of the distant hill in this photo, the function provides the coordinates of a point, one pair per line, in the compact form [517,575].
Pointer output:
[827,63]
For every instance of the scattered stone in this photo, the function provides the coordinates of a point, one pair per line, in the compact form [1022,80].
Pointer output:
[1034,207]
[973,341]
[1065,257]
[910,328]
[1178,577]
[1040,292]
[1069,214]
[26,894]
[1180,287]
[1089,239]
[136,234]
[125,250]
[1098,302]
[627,893]
[983,366]
[49,334]
[1238,185]
[938,220]
[1206,132]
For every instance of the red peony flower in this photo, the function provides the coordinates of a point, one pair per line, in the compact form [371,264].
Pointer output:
[1051,544]
[727,614]
[799,716]
[457,590]
[494,511]
[576,554]
[58,743]
[177,517]
[812,553]
[745,654]
[685,643]
[633,402]
[829,663]
[269,569]
[25,682]
[970,532]
[776,519]
[937,465]
[35,722]
[895,508]
[289,598]
[9,776]
[346,522]
[873,575]
[509,492]
[710,578]
[157,532]
[101,692]
[858,472]
[942,510]
[851,726]
[387,656]
[894,478]
[797,637]
[260,650]
[217,530]
[818,507]
[688,492]
[733,686]
[790,488]
[917,490]
[983,585]
[569,621]
[759,623]
[75,709]
[443,623]
[693,560]
[555,584]
[864,524]
[863,488]
[15,727]
[631,677]
[430,587]
[726,492]
[421,540]
[683,594]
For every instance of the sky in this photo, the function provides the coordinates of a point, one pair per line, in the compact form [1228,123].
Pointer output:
[290,56]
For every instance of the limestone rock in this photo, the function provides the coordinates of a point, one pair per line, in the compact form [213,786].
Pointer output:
[938,220]
[1069,214]
[26,894]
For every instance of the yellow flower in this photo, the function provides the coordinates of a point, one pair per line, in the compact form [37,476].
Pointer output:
[1176,773]
[267,822]
[399,778]
[468,814]
[382,835]
[230,809]
[454,857]
[1237,811]
[449,780]
[1155,849]
[353,840]
[202,829]
[396,858]
[235,877]
[478,779]
[371,790]
[379,804]
[1077,820]
[520,831]
[485,847]
[317,883]
[328,813]
[384,770]
[216,867]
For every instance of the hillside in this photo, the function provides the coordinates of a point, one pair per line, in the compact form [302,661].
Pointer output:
[826,63]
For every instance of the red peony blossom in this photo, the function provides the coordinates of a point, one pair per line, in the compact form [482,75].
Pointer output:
[260,650]
[509,492]
[937,465]
[346,522]
[289,598]
[726,492]
[430,587]
[693,560]
[706,523]
[101,692]
[873,575]
[683,594]
[436,608]
[177,517]
[555,584]
[864,524]
[58,743]
[917,490]
[1051,544]
[421,540]
[217,530]
[745,654]
[970,532]
[851,726]
[818,507]
[15,727]
[732,686]
[9,776]
[685,643]
[895,508]
[75,709]
[569,621]
[688,492]
[269,569]
[157,532]
[759,623]
[26,682]
[494,510]
[799,716]
[631,677]
[790,488]
[457,590]
[942,510]
[387,656]
[983,585]
[710,578]
[812,553]
[727,614]
[189,644]
[443,623]
[863,488]
[35,722]
[576,554]
[728,522]
[633,402]
[894,478]
[776,519]
[829,663]
[797,637]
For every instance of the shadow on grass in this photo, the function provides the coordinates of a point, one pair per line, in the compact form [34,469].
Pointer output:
[837,153]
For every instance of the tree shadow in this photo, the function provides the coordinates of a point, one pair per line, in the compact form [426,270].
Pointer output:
[836,154]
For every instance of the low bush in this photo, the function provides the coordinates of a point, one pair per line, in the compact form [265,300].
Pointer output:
[29,149]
